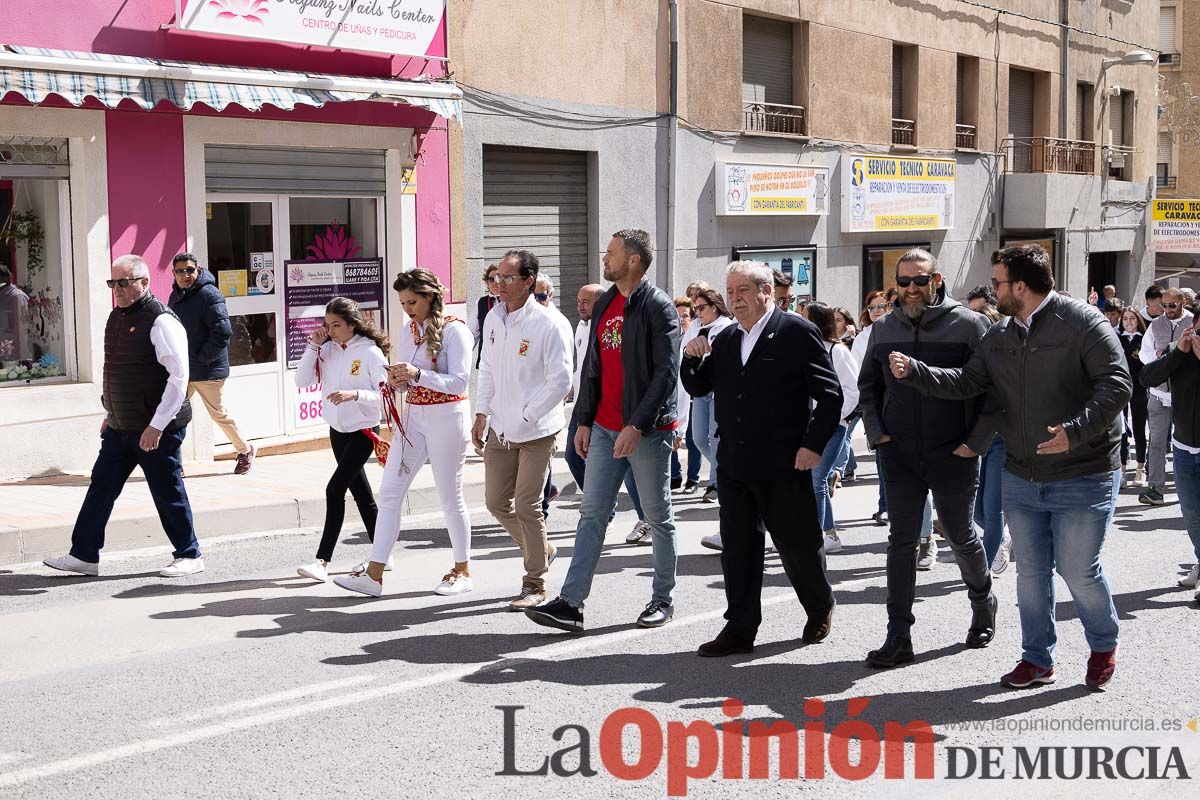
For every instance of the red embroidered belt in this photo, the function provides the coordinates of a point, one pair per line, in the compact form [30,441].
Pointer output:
[421,396]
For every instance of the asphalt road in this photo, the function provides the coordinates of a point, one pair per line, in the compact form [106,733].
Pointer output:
[247,681]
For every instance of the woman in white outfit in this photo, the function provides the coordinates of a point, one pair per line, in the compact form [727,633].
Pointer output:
[435,427]
[347,356]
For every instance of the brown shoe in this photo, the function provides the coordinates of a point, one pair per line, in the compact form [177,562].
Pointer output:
[244,462]
[530,596]
[817,628]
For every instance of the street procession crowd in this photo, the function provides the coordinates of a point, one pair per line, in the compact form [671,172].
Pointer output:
[1008,423]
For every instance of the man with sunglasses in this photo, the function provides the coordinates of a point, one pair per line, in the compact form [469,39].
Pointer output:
[147,412]
[200,306]
[784,299]
[1165,330]
[926,446]
[1057,369]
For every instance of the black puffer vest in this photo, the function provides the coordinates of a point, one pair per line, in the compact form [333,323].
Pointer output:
[134,381]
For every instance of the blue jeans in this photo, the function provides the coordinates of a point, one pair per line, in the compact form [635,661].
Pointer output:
[650,466]
[1187,486]
[847,463]
[1060,526]
[119,454]
[579,471]
[573,459]
[704,432]
[820,476]
[989,511]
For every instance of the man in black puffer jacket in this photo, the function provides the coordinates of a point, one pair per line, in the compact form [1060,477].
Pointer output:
[200,306]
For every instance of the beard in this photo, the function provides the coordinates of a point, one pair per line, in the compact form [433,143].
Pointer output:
[1008,306]
[914,307]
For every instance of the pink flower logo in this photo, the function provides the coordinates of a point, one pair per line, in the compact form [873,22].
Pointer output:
[333,245]
[296,274]
[249,10]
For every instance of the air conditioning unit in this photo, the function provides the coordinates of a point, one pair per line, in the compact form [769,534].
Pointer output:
[1168,59]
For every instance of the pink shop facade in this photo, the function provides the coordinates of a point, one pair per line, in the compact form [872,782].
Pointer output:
[295,148]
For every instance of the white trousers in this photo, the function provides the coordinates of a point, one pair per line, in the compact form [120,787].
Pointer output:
[439,435]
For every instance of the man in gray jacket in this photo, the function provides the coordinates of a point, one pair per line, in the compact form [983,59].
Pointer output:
[1056,368]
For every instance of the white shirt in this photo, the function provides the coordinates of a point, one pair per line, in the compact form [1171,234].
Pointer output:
[171,350]
[583,331]
[357,367]
[452,373]
[750,337]
[859,348]
[847,368]
[525,372]
[1027,323]
[1185,448]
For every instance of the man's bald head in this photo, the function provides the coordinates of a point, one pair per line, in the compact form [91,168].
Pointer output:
[586,298]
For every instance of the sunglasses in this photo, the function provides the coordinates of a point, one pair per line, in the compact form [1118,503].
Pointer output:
[541,297]
[880,307]
[903,281]
[507,280]
[185,271]
[785,302]
[123,283]
[1172,306]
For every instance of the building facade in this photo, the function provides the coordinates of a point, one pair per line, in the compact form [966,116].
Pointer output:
[278,163]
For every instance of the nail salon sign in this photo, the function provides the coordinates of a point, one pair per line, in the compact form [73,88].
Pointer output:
[398,27]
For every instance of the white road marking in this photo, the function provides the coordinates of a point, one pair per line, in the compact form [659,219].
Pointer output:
[259,702]
[75,763]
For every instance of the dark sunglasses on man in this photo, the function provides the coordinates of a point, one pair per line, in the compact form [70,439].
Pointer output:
[785,302]
[124,283]
[541,297]
[185,270]
[903,281]
[1172,306]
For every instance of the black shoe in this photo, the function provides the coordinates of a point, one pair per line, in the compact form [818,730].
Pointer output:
[1151,497]
[817,628]
[849,477]
[710,495]
[896,650]
[657,614]
[726,644]
[983,624]
[558,613]
[880,517]
[676,483]
[691,487]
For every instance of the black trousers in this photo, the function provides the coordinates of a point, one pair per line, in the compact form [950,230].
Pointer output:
[351,451]
[787,507]
[953,481]
[1137,405]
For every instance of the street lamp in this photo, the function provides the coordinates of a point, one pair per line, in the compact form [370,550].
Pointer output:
[1133,57]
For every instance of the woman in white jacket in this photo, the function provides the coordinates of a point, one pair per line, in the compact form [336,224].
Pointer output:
[825,318]
[435,427]
[347,356]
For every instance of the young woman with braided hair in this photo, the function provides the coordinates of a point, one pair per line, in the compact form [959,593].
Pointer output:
[434,426]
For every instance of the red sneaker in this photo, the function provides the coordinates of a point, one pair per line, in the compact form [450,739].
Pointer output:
[244,462]
[1100,669]
[1027,674]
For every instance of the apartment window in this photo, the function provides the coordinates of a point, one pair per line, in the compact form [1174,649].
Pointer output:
[966,103]
[1085,111]
[768,98]
[1117,150]
[1167,42]
[904,95]
[1020,118]
[1162,170]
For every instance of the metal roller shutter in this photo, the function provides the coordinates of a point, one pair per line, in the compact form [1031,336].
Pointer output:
[1116,119]
[960,79]
[766,61]
[293,170]
[897,82]
[537,200]
[1164,147]
[1082,125]
[1166,29]
[1020,116]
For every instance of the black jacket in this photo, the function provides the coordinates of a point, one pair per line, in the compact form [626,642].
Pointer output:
[945,336]
[202,311]
[1132,346]
[763,407]
[1067,370]
[649,356]
[1183,371]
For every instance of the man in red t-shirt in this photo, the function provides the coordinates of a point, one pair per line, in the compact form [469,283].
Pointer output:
[626,419]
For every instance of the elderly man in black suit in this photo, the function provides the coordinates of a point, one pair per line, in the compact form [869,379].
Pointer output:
[769,359]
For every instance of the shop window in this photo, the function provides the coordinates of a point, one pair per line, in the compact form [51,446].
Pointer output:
[333,228]
[253,339]
[36,341]
[879,265]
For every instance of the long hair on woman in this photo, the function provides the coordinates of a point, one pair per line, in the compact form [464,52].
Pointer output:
[426,284]
[825,318]
[354,316]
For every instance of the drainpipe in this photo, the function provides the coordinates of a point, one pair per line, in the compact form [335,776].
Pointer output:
[672,135]
[1063,128]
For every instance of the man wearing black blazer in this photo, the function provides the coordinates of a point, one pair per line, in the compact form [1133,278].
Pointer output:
[768,361]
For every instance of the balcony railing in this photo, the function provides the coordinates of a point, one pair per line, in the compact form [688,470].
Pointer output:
[904,131]
[1046,154]
[964,136]
[774,118]
[1166,181]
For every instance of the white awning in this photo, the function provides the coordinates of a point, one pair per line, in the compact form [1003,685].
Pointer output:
[36,73]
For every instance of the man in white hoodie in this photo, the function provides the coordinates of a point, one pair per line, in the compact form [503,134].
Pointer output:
[524,376]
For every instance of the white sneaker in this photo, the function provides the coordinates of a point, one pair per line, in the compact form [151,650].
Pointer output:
[361,583]
[551,553]
[712,542]
[640,533]
[362,566]
[1139,477]
[70,563]
[1003,555]
[454,582]
[832,542]
[182,566]
[927,553]
[1191,580]
[317,571]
